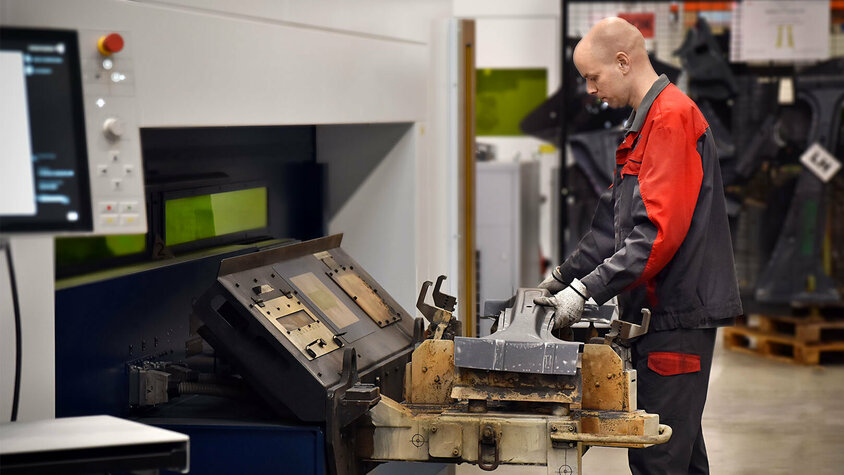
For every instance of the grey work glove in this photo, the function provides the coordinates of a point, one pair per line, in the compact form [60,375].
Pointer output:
[554,283]
[567,303]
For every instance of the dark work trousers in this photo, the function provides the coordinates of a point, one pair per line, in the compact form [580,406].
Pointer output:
[672,369]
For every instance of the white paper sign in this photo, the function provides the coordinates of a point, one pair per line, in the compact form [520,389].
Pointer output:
[780,30]
[820,162]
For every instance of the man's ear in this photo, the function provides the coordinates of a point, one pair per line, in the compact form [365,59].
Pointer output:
[622,62]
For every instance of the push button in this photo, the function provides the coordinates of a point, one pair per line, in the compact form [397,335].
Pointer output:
[128,219]
[128,206]
[108,219]
[108,207]
[102,170]
[109,44]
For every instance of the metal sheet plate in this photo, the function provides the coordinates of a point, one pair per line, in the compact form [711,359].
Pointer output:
[324,299]
[516,356]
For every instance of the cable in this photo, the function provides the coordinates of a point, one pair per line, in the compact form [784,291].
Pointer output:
[13,284]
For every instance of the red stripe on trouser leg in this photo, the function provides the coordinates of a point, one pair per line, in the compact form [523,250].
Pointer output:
[669,364]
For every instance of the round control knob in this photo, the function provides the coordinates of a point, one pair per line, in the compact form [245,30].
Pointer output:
[113,128]
[111,43]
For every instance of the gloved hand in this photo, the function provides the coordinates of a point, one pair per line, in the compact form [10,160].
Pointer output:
[554,283]
[568,304]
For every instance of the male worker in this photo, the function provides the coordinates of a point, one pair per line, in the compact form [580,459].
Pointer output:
[659,240]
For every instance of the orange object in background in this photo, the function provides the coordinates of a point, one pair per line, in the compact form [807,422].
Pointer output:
[707,6]
[111,43]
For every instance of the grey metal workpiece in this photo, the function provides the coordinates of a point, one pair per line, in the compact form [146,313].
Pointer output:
[524,344]
[89,444]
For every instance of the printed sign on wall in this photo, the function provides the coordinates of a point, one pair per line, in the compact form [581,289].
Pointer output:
[780,31]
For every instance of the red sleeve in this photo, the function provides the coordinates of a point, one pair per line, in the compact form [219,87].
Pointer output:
[669,181]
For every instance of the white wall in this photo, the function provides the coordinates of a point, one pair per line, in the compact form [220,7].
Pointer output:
[200,67]
[407,20]
[506,8]
[437,173]
[32,257]
[377,219]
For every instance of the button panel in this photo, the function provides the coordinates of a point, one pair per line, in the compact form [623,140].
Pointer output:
[111,122]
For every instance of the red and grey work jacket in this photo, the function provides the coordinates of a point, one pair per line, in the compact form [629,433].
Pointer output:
[660,238]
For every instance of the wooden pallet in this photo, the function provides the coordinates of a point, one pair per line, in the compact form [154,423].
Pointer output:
[809,329]
[780,347]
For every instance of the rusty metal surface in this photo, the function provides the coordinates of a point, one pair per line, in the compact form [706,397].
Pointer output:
[605,384]
[633,441]
[432,373]
[618,422]
[524,345]
[445,440]
[365,296]
[396,432]
[512,386]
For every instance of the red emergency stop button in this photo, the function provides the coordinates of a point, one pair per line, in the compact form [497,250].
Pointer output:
[111,43]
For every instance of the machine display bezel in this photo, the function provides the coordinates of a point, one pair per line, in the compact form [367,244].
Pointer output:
[36,223]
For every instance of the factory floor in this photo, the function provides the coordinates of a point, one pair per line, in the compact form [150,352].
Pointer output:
[761,417]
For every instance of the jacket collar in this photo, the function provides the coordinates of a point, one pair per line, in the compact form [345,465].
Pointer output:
[637,117]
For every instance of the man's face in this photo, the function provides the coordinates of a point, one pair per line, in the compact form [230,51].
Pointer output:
[603,78]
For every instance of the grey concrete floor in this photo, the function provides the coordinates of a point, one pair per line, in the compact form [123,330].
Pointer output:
[761,417]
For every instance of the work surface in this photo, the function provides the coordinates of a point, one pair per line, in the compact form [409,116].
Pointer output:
[761,417]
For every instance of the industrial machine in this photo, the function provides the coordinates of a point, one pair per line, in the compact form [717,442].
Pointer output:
[318,338]
[71,165]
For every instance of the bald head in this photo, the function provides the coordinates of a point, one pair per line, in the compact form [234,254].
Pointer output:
[613,60]
[612,35]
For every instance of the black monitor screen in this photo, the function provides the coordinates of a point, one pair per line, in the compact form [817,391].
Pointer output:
[43,156]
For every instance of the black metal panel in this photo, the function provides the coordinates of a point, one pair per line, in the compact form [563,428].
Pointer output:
[280,371]
[102,326]
[282,156]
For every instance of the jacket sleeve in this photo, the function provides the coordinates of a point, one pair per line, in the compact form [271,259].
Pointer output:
[596,245]
[664,199]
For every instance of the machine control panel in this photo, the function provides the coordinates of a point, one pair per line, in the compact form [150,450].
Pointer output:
[113,137]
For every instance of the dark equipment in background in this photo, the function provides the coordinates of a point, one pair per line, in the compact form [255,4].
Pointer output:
[795,271]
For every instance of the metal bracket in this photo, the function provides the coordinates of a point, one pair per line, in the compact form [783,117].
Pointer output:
[635,441]
[443,324]
[442,301]
[489,446]
[623,332]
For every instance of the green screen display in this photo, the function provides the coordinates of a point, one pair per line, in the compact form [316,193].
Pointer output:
[505,96]
[78,250]
[216,214]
